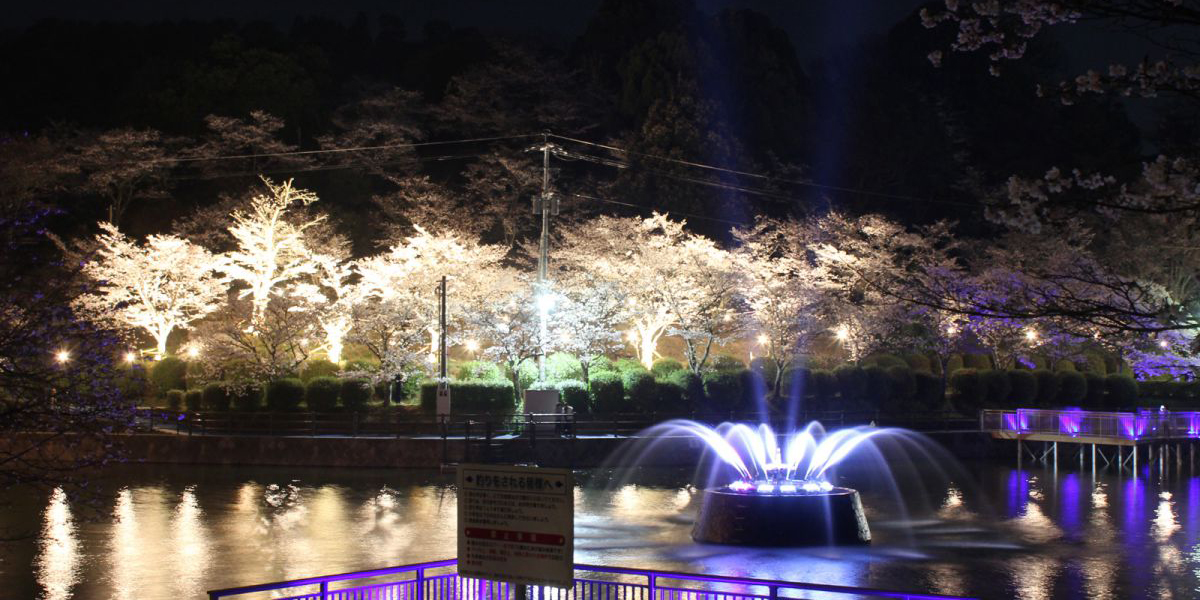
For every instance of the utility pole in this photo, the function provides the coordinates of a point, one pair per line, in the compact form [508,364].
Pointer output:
[442,329]
[546,205]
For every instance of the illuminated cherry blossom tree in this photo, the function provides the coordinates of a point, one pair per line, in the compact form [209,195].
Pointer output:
[332,294]
[658,268]
[781,289]
[586,316]
[507,321]
[409,273]
[271,249]
[158,287]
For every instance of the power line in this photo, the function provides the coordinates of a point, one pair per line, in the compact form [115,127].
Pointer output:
[758,175]
[338,167]
[180,159]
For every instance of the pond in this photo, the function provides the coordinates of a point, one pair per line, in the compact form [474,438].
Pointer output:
[173,532]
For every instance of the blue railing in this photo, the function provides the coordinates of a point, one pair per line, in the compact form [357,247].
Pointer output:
[439,580]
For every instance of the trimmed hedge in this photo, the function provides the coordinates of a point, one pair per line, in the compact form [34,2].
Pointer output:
[216,397]
[664,367]
[670,397]
[919,363]
[723,390]
[1095,398]
[318,368]
[1122,391]
[754,389]
[466,397]
[822,388]
[903,387]
[929,391]
[1023,389]
[997,386]
[175,399]
[193,399]
[355,393]
[628,364]
[574,393]
[967,393]
[321,394]
[1047,387]
[170,373]
[608,394]
[640,387]
[766,369]
[692,386]
[725,362]
[879,388]
[285,394]
[851,384]
[979,362]
[247,396]
[1072,388]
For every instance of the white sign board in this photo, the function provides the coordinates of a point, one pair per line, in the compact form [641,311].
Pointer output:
[443,398]
[516,524]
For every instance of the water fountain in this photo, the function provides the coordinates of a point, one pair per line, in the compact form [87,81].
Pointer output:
[780,495]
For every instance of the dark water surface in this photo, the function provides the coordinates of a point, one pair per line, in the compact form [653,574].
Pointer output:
[173,532]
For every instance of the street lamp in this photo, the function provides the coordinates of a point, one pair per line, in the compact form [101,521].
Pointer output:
[842,333]
[472,347]
[1031,335]
[193,352]
[62,357]
[130,357]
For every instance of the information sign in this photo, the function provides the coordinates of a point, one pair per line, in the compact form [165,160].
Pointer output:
[516,524]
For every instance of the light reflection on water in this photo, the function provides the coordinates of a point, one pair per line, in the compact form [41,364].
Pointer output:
[174,533]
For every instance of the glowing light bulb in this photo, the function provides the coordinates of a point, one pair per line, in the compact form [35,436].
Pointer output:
[842,333]
[130,357]
[193,352]
[62,356]
[1164,344]
[763,340]
[951,331]
[810,486]
[787,488]
[826,486]
[765,488]
[1031,335]
[472,346]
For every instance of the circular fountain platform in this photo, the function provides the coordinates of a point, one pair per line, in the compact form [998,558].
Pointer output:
[833,517]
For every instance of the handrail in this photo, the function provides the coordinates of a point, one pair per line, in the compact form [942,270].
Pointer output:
[652,577]
[276,585]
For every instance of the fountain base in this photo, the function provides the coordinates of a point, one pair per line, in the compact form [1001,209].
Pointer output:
[834,517]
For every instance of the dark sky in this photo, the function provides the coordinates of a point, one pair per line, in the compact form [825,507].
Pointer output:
[815,26]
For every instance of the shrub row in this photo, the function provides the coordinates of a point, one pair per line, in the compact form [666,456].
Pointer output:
[973,389]
[472,397]
[321,394]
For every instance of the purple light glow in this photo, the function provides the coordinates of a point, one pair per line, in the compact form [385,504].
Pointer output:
[1133,426]
[1018,421]
[1070,422]
[800,465]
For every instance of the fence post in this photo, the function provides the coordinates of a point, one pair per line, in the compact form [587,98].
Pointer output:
[774,592]
[324,590]
[652,584]
[420,584]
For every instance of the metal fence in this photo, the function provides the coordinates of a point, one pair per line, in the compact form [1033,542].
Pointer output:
[439,580]
[1142,425]
[400,423]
